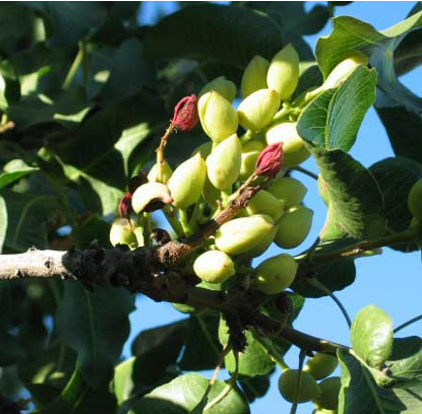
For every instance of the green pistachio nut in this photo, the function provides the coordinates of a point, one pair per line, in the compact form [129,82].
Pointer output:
[149,193]
[258,109]
[321,365]
[210,193]
[276,274]
[263,202]
[239,235]
[414,200]
[121,232]
[250,153]
[308,389]
[224,87]
[263,245]
[294,227]
[322,411]
[217,115]
[187,181]
[330,389]
[167,172]
[283,73]
[204,149]
[294,149]
[288,190]
[255,76]
[223,164]
[214,266]
[344,69]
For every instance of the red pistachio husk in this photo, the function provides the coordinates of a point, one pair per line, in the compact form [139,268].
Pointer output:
[125,206]
[185,115]
[270,160]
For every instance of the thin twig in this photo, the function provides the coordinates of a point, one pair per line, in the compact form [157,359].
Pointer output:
[305,171]
[409,322]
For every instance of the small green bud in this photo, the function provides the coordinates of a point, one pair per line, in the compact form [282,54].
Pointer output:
[263,245]
[344,69]
[223,164]
[276,274]
[294,149]
[217,115]
[167,172]
[288,190]
[187,181]
[150,197]
[121,232]
[214,266]
[258,109]
[321,365]
[255,76]
[287,384]
[263,202]
[283,73]
[224,87]
[294,227]
[250,153]
[239,235]
[414,200]
[330,389]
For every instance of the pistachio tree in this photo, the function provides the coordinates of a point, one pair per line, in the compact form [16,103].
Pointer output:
[157,161]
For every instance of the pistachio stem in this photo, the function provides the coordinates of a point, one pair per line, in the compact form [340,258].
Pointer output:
[170,215]
[160,152]
[302,356]
[184,221]
[407,323]
[74,67]
[305,171]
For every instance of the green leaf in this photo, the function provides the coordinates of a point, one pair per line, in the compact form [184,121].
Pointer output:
[95,325]
[15,170]
[352,34]
[360,394]
[3,222]
[94,228]
[354,195]
[254,387]
[333,119]
[372,335]
[11,351]
[223,33]
[395,177]
[185,393]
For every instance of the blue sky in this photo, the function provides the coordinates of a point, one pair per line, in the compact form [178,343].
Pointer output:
[392,281]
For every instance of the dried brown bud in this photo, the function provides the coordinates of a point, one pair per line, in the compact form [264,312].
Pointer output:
[185,115]
[125,206]
[270,160]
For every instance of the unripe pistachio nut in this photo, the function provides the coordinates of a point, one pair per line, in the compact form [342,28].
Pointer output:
[214,266]
[223,86]
[330,389]
[258,109]
[294,227]
[223,164]
[414,200]
[217,115]
[204,149]
[167,172]
[321,365]
[276,274]
[288,190]
[263,202]
[210,193]
[263,245]
[294,149]
[255,76]
[344,69]
[149,197]
[250,153]
[121,232]
[283,73]
[187,181]
[287,384]
[239,235]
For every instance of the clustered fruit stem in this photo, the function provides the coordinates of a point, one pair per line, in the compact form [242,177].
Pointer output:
[160,151]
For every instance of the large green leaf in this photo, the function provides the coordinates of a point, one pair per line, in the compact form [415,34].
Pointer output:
[360,394]
[353,193]
[185,394]
[395,177]
[350,34]
[15,170]
[11,351]
[372,335]
[333,119]
[210,31]
[96,325]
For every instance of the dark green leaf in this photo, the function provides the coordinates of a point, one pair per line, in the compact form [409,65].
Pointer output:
[15,170]
[254,387]
[184,394]
[395,177]
[95,228]
[224,33]
[95,325]
[333,119]
[372,335]
[11,351]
